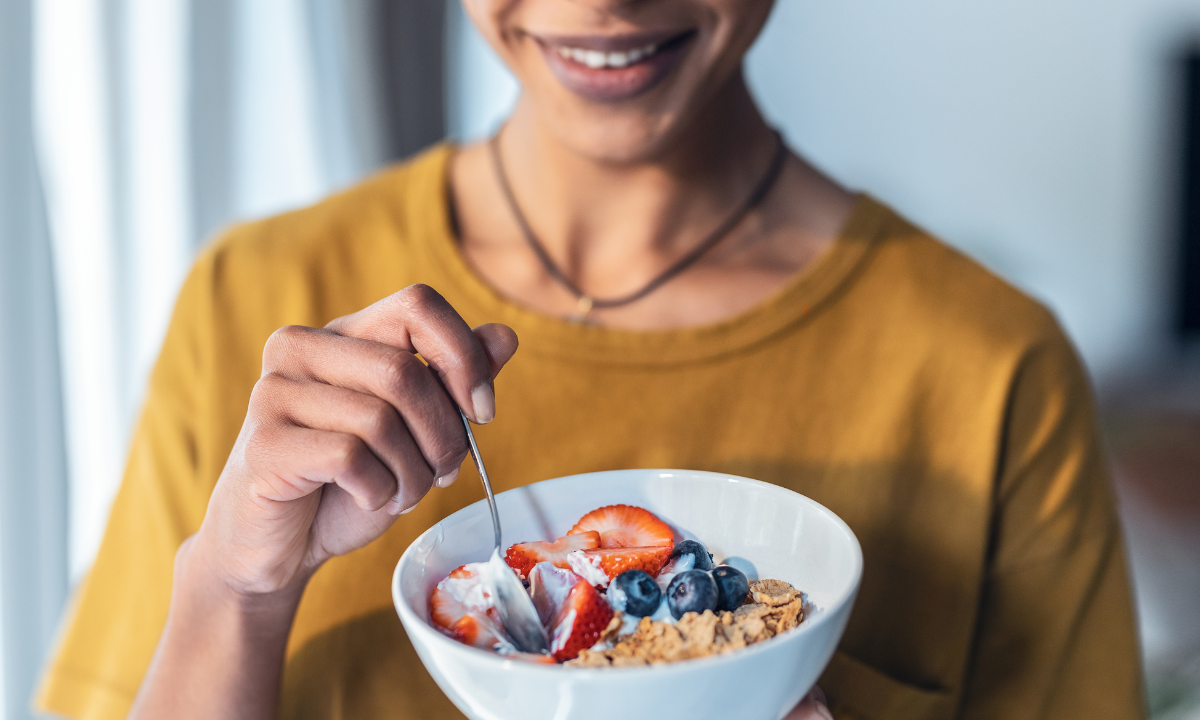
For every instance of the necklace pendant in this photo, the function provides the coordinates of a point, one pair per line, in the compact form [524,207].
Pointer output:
[583,310]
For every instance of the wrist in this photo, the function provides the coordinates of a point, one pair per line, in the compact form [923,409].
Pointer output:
[222,650]
[203,580]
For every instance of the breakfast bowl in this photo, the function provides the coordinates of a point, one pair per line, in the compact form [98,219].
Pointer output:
[763,529]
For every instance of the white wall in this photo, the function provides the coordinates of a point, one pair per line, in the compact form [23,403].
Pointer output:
[1034,134]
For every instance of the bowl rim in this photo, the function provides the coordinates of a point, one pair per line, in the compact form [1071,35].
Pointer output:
[426,629]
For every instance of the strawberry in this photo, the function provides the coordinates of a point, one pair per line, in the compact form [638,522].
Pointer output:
[549,587]
[476,631]
[523,556]
[625,526]
[614,561]
[579,623]
[468,571]
[463,610]
[535,658]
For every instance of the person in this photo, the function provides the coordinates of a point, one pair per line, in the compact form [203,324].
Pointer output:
[686,293]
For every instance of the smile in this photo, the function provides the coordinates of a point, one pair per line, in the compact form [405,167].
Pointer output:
[597,59]
[614,68]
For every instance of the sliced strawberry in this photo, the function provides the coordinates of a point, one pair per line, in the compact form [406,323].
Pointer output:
[461,607]
[625,526]
[614,561]
[549,587]
[535,658]
[470,570]
[477,630]
[523,556]
[462,591]
[579,622]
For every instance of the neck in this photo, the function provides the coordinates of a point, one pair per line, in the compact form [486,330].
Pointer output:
[594,214]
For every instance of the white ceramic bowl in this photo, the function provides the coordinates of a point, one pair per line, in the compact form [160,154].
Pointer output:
[780,533]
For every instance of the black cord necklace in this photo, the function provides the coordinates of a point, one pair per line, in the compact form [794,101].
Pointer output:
[586,303]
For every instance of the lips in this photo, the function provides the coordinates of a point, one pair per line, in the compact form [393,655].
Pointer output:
[612,69]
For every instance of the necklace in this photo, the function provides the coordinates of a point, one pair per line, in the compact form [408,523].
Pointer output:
[585,302]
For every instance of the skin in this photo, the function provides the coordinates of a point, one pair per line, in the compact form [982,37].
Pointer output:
[347,429]
[618,192]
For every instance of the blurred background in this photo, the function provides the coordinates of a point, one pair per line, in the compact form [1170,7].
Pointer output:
[1057,141]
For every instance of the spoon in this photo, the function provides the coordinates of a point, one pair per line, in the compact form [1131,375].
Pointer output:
[516,609]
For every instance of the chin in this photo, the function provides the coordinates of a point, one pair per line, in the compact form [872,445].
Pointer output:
[631,133]
[618,141]
[639,130]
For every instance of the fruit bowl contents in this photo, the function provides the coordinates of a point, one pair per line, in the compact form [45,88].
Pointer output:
[765,530]
[618,590]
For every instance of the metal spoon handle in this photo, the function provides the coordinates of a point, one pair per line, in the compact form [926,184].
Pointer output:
[487,484]
[517,613]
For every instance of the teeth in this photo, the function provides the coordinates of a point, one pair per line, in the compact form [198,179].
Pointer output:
[596,59]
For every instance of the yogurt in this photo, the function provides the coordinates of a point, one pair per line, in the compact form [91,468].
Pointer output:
[587,568]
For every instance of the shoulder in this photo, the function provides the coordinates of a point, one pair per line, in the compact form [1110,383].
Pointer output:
[940,296]
[312,264]
[389,203]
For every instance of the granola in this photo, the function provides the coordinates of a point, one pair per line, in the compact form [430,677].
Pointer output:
[773,607]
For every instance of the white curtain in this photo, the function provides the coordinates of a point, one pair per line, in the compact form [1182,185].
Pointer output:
[32,470]
[131,131]
[158,123]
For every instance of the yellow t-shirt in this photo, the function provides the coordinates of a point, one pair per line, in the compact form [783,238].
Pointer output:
[938,411]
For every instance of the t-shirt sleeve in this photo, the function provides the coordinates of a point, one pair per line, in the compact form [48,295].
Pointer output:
[112,628]
[1056,636]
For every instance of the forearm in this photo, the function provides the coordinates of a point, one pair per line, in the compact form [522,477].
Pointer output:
[221,653]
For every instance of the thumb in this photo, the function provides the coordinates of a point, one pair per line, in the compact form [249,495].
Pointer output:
[499,343]
[812,707]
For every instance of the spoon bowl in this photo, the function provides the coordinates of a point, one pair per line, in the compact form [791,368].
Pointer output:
[516,609]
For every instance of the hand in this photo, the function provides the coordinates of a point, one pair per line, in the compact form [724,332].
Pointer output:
[346,429]
[812,707]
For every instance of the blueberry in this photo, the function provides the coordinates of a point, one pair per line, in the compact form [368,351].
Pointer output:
[691,591]
[704,559]
[634,592]
[732,587]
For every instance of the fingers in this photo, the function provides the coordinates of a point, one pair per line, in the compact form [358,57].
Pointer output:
[291,462]
[499,343]
[369,384]
[395,376]
[378,425]
[418,319]
[812,707]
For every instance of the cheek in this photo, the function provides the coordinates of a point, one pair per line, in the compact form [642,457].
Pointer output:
[491,17]
[743,20]
[497,21]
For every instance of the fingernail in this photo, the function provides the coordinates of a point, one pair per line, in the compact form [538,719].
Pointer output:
[483,402]
[408,510]
[823,711]
[448,479]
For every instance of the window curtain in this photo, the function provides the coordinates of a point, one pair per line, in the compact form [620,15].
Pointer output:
[131,132]
[33,481]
